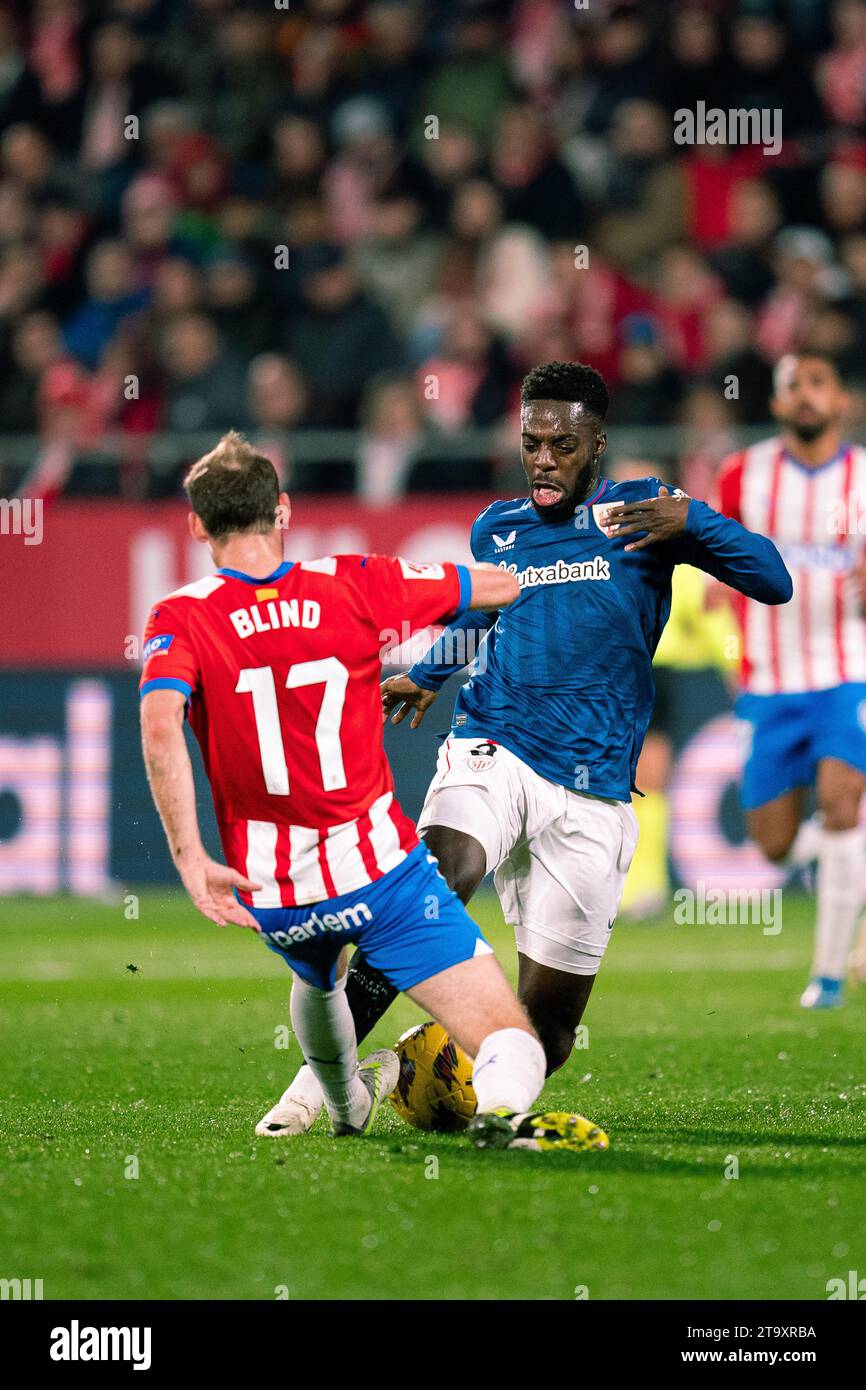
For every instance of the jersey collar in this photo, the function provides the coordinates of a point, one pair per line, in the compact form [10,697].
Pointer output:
[828,463]
[254,579]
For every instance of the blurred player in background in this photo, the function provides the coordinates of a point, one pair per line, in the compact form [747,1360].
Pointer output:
[804,665]
[278,665]
[694,646]
[535,779]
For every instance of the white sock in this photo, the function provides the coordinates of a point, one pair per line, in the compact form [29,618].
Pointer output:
[322,1021]
[807,844]
[840,898]
[509,1070]
[305,1089]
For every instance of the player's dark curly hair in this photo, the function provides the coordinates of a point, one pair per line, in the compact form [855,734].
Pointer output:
[566,381]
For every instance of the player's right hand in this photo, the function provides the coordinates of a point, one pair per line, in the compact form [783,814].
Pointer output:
[401,694]
[211,887]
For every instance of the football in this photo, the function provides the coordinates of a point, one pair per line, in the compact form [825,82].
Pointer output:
[435,1086]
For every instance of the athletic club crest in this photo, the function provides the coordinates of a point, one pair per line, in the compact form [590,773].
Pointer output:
[598,510]
[481,757]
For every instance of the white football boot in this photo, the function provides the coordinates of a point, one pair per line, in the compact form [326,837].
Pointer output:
[289,1117]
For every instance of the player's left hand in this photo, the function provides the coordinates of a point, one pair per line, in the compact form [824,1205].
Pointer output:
[661,517]
[211,885]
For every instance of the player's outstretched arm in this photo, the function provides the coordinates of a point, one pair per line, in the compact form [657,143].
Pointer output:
[169,772]
[492,588]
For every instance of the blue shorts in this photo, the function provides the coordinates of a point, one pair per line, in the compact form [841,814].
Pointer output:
[408,922]
[790,734]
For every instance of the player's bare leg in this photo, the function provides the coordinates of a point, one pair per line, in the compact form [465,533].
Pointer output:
[473,1000]
[774,825]
[475,1005]
[462,858]
[555,1001]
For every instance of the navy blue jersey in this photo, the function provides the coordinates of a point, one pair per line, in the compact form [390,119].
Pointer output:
[563,676]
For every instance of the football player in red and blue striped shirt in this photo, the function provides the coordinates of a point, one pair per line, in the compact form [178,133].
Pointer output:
[277,665]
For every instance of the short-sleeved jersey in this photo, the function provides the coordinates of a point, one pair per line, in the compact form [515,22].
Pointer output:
[282,677]
[818,640]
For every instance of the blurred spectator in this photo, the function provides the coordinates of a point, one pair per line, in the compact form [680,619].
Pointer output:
[687,288]
[737,371]
[467,382]
[448,160]
[805,271]
[768,74]
[621,68]
[149,211]
[843,190]
[205,380]
[237,305]
[708,417]
[277,402]
[378,214]
[298,158]
[245,83]
[112,295]
[744,260]
[55,58]
[473,82]
[537,189]
[649,387]
[338,337]
[27,160]
[118,85]
[833,330]
[62,230]
[391,431]
[697,68]
[20,96]
[22,283]
[394,64]
[644,188]
[841,73]
[398,262]
[277,395]
[178,288]
[36,345]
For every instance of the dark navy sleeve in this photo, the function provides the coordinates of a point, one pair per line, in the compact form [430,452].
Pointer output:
[742,559]
[453,649]
[458,643]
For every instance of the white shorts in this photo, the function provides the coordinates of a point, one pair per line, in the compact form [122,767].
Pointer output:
[559,857]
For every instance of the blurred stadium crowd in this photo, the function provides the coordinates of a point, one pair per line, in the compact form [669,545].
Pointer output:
[370,215]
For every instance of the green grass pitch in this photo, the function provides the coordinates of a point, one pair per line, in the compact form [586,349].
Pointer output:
[698,1056]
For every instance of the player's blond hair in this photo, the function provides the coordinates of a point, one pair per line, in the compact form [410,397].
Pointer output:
[232,451]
